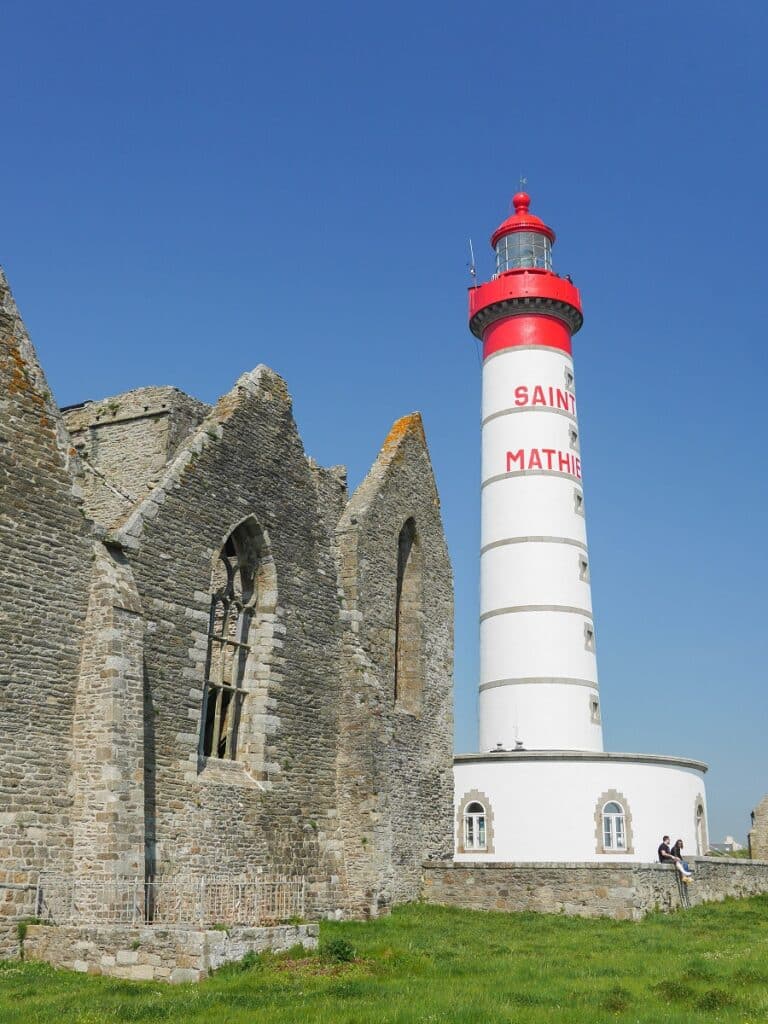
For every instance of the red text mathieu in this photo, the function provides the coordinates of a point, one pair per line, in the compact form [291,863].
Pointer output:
[545,459]
[551,398]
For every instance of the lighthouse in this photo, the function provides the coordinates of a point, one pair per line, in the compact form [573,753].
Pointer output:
[538,670]
[541,788]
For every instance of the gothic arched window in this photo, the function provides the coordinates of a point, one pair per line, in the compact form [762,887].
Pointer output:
[237,594]
[409,621]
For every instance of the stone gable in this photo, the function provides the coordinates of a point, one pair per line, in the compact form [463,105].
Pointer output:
[276,803]
[386,738]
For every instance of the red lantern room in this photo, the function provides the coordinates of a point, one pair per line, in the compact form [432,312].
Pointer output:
[523,240]
[525,302]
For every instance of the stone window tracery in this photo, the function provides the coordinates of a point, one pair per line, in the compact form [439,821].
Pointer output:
[240,590]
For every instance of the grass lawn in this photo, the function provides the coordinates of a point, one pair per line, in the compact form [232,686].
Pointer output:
[431,964]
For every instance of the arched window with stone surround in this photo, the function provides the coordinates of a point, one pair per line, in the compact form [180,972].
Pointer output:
[613,823]
[409,621]
[702,841]
[474,823]
[243,592]
[475,836]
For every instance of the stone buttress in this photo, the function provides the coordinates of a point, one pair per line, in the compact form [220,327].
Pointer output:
[108,726]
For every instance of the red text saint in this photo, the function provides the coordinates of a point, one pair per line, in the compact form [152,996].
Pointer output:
[549,397]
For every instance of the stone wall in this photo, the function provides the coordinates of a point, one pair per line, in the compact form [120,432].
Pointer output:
[621,891]
[157,954]
[275,805]
[17,901]
[121,445]
[394,760]
[758,835]
[46,554]
[331,485]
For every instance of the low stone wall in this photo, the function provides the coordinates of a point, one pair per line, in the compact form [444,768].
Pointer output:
[157,954]
[17,901]
[621,891]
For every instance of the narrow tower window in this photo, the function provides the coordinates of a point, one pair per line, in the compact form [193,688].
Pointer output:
[594,710]
[409,621]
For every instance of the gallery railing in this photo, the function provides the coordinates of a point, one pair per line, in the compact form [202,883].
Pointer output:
[202,902]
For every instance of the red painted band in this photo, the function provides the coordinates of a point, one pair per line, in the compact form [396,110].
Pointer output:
[523,284]
[534,329]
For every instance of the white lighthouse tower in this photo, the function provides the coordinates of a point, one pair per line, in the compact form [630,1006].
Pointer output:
[538,671]
[541,787]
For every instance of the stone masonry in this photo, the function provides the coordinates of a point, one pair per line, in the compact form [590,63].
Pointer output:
[758,835]
[46,562]
[107,726]
[402,738]
[176,955]
[213,660]
[626,892]
[123,444]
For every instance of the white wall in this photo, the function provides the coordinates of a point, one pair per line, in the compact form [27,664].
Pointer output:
[544,810]
[535,601]
[531,506]
[540,716]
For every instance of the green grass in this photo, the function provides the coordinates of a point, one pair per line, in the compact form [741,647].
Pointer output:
[431,965]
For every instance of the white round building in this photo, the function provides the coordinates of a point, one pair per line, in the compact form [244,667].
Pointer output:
[542,788]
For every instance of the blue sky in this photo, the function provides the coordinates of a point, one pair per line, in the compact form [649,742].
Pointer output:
[188,190]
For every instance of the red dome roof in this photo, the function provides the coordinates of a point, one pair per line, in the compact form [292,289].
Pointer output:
[521,220]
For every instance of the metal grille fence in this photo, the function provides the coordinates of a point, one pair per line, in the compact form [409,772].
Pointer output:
[203,902]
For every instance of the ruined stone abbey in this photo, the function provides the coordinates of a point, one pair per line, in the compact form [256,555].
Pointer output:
[213,659]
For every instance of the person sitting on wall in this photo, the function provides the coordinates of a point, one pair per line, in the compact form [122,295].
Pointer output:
[666,856]
[677,851]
